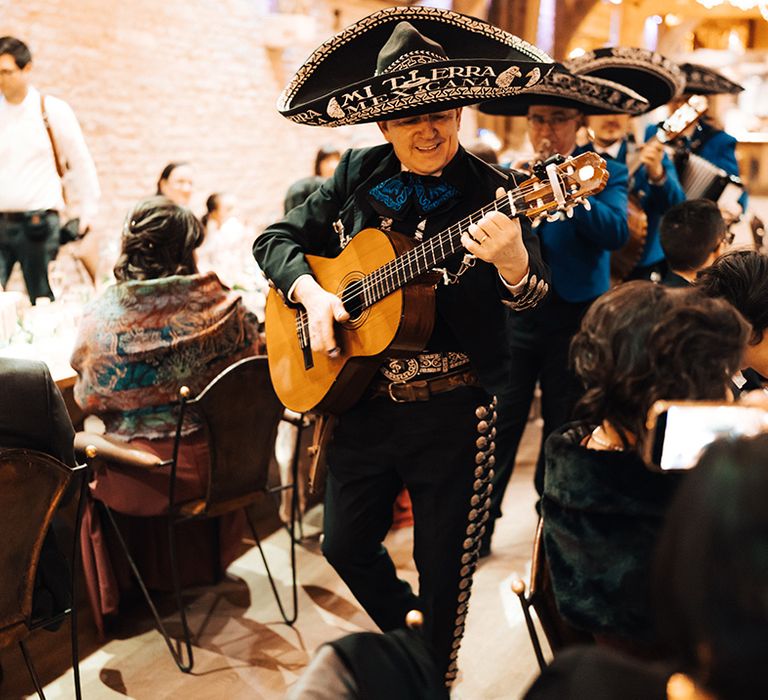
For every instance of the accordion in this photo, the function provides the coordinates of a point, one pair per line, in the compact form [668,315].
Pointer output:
[703,180]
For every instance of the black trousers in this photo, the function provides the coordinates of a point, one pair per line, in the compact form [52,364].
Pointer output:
[32,242]
[431,447]
[539,341]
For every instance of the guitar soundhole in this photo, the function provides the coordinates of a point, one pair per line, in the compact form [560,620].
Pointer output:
[354,301]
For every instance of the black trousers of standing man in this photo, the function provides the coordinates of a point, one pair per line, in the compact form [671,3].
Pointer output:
[432,448]
[31,239]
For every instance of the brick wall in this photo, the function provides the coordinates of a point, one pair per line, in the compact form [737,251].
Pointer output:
[158,80]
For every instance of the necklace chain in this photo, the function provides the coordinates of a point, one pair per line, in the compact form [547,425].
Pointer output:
[604,443]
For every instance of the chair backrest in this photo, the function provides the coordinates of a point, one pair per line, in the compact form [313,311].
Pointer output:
[241,412]
[541,597]
[31,485]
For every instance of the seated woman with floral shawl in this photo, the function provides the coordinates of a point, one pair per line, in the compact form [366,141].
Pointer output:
[161,326]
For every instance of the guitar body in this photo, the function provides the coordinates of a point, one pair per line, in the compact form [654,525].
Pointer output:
[400,324]
[624,260]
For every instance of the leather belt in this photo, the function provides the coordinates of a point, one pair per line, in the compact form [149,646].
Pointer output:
[424,389]
[20,216]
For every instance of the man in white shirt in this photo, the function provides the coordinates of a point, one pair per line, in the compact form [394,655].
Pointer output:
[36,158]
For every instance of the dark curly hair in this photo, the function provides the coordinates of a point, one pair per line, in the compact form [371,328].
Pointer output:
[159,239]
[641,342]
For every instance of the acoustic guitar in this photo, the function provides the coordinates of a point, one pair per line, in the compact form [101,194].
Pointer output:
[624,260]
[384,281]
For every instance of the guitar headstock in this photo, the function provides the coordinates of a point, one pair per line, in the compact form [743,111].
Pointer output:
[683,117]
[567,184]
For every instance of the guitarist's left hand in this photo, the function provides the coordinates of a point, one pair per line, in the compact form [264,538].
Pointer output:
[498,240]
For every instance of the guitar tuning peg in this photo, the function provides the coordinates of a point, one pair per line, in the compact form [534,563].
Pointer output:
[569,212]
[587,204]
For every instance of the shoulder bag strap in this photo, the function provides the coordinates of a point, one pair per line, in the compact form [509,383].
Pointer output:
[59,168]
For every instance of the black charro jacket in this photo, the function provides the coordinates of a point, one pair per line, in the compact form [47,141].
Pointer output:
[470,313]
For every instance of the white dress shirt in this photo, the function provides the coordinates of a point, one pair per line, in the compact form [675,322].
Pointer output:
[28,177]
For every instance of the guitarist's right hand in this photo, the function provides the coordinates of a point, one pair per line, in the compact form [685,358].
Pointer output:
[323,308]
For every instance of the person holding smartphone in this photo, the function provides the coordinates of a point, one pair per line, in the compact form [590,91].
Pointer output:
[714,627]
[602,506]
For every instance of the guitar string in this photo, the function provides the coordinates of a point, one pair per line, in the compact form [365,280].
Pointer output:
[387,271]
[445,237]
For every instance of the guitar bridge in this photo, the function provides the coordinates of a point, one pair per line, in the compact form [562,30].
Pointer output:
[302,335]
[306,351]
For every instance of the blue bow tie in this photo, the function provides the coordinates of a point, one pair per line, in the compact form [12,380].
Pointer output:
[426,194]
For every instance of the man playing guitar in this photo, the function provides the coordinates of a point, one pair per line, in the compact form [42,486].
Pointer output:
[426,420]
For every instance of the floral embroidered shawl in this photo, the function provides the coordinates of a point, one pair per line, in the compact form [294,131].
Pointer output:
[140,341]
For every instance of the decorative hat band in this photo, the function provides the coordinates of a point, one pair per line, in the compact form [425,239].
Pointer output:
[411,59]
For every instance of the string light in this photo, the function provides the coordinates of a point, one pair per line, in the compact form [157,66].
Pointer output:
[744,5]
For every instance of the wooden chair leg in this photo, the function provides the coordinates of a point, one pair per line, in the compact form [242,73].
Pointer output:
[75,647]
[31,669]
[518,586]
[175,649]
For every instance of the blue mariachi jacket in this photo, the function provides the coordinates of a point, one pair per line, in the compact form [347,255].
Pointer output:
[656,200]
[577,250]
[714,145]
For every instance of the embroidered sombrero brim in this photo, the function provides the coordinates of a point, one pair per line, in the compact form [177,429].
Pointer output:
[700,80]
[646,72]
[563,89]
[343,82]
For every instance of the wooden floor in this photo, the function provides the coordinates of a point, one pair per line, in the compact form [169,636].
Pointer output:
[242,651]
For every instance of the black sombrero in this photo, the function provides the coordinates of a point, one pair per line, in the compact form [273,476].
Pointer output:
[404,61]
[646,72]
[562,88]
[700,80]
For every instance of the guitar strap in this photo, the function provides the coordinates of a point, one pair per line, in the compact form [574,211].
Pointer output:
[318,468]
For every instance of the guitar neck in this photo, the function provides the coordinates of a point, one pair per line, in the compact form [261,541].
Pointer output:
[567,184]
[431,253]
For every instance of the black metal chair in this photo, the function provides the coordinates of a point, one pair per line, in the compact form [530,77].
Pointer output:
[31,487]
[240,412]
[540,596]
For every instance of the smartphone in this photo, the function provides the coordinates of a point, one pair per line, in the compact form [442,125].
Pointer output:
[680,430]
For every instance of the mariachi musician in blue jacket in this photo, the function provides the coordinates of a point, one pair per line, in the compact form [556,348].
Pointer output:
[654,184]
[577,250]
[706,139]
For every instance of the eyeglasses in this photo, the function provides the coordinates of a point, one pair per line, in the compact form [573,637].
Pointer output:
[556,121]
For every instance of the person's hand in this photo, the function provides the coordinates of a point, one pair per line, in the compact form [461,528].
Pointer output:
[323,308]
[498,240]
[650,156]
